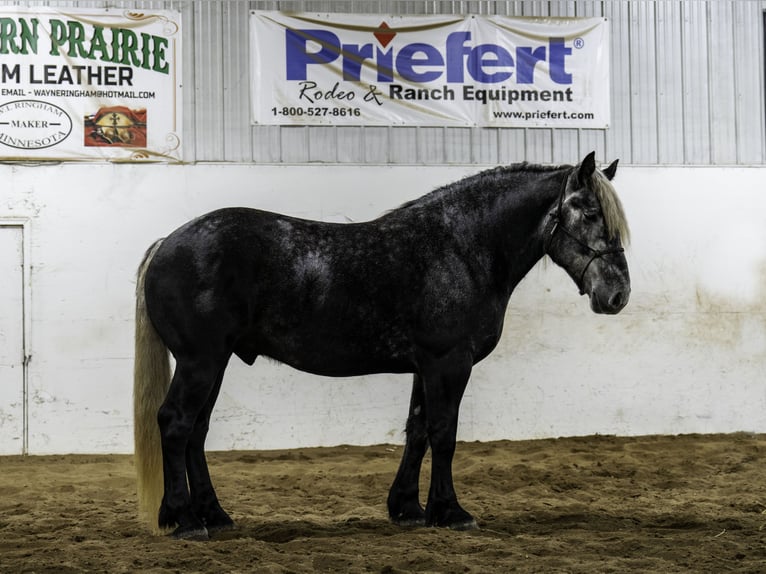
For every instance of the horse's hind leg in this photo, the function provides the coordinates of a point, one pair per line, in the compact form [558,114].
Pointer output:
[403,499]
[193,383]
[204,501]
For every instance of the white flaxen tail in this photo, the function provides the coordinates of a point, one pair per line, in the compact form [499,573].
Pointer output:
[151,379]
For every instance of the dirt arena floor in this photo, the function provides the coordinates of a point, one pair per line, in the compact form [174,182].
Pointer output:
[593,504]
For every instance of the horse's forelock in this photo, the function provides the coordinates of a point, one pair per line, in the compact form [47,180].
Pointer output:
[611,207]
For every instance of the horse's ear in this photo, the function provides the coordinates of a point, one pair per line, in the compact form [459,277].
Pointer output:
[611,170]
[587,167]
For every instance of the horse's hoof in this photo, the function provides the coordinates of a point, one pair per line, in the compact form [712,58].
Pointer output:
[465,525]
[409,522]
[405,511]
[223,527]
[189,533]
[454,518]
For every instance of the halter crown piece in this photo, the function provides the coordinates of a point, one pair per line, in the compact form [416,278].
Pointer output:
[557,224]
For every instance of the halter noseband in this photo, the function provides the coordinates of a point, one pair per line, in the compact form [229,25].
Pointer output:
[595,253]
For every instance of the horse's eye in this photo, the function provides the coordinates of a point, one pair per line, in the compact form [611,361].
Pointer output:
[590,213]
[576,204]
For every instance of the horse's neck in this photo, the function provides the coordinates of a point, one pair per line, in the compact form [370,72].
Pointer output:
[521,222]
[500,219]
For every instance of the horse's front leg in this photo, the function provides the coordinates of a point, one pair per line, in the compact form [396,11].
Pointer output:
[444,384]
[192,384]
[403,499]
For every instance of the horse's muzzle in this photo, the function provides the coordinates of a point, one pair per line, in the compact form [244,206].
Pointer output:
[610,301]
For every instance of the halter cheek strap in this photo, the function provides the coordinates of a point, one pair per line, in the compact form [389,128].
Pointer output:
[595,253]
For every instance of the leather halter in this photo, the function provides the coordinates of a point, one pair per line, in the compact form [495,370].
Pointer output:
[595,253]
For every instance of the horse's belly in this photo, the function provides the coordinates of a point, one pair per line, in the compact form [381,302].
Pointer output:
[335,354]
[349,368]
[337,363]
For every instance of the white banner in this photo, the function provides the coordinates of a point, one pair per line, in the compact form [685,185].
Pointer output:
[90,84]
[494,71]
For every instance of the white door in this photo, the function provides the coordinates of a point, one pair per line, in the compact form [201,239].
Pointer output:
[11,340]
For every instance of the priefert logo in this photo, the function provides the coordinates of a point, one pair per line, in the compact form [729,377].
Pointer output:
[420,62]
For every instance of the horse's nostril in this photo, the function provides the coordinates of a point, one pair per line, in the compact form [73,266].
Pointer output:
[616,300]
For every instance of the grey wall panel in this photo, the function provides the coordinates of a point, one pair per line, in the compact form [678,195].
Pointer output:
[566,146]
[539,146]
[189,101]
[721,83]
[294,144]
[375,144]
[486,144]
[687,87]
[670,124]
[208,85]
[750,84]
[236,87]
[459,145]
[266,143]
[324,145]
[618,134]
[350,149]
[403,145]
[511,145]
[694,74]
[431,145]
[593,140]
[643,82]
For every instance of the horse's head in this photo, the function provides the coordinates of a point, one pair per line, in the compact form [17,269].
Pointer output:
[585,233]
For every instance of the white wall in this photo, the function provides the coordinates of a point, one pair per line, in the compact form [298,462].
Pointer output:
[686,355]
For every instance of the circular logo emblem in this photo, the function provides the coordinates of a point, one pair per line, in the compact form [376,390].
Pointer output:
[32,124]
